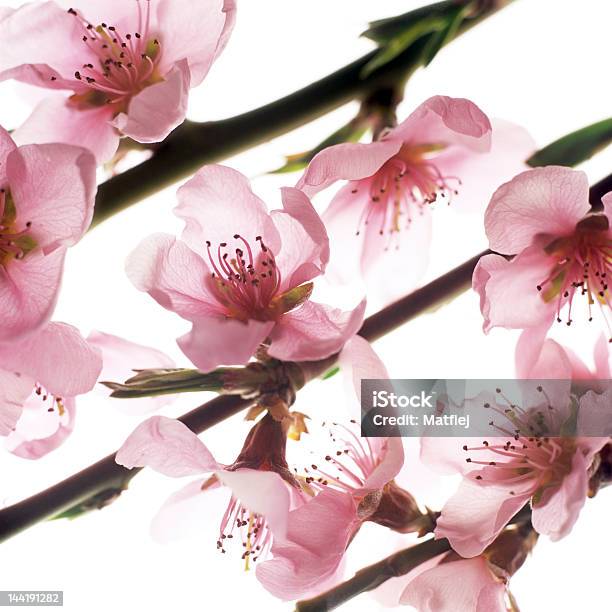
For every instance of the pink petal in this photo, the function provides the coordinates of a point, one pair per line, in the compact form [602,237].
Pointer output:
[189,510]
[57,357]
[602,358]
[537,357]
[39,40]
[607,204]
[28,292]
[473,517]
[359,360]
[347,161]
[158,109]
[264,493]
[468,584]
[559,508]
[173,275]
[218,340]
[508,290]
[14,390]
[216,204]
[120,359]
[595,418]
[195,32]
[305,246]
[483,172]
[54,187]
[6,146]
[39,432]
[390,453]
[167,446]
[314,331]
[448,121]
[394,263]
[549,200]
[307,562]
[56,120]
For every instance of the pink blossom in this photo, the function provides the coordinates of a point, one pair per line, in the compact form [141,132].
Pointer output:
[525,461]
[124,67]
[262,488]
[466,585]
[46,204]
[445,151]
[40,376]
[121,358]
[562,252]
[349,488]
[242,275]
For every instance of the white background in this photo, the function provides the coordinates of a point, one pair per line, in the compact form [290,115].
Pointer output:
[543,64]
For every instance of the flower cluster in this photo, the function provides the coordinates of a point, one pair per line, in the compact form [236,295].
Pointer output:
[245,277]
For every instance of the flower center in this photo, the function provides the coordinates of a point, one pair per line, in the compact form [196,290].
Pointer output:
[247,284]
[54,403]
[15,243]
[252,529]
[582,266]
[346,467]
[123,65]
[532,458]
[402,188]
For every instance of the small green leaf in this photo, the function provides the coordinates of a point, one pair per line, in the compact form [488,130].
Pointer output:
[396,45]
[441,37]
[293,298]
[330,373]
[576,147]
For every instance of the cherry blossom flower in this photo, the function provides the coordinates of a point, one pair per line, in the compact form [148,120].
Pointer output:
[445,151]
[120,359]
[562,252]
[46,204]
[242,275]
[40,377]
[263,489]
[351,485]
[123,67]
[531,458]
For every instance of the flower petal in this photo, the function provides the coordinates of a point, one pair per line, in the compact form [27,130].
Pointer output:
[346,161]
[549,200]
[447,121]
[28,292]
[158,109]
[195,32]
[305,246]
[39,431]
[6,146]
[218,203]
[54,120]
[482,173]
[173,275]
[468,584]
[307,561]
[167,446]
[57,357]
[218,340]
[390,454]
[508,290]
[54,187]
[120,359]
[189,510]
[473,517]
[537,357]
[14,390]
[38,40]
[262,492]
[314,331]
